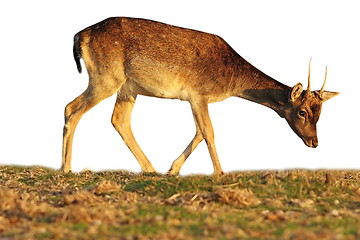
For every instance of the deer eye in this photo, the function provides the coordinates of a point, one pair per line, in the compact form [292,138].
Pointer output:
[302,113]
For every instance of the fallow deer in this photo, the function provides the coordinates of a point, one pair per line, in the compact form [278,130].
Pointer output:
[131,56]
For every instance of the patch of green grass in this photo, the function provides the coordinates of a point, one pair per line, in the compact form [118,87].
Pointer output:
[28,181]
[44,235]
[164,186]
[139,186]
[80,226]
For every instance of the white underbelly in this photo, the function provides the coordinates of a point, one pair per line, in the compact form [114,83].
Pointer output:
[160,90]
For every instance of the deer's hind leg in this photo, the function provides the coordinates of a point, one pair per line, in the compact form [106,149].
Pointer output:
[98,90]
[121,121]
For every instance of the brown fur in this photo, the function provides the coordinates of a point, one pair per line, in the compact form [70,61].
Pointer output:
[135,56]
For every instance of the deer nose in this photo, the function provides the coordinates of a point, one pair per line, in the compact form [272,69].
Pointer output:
[313,143]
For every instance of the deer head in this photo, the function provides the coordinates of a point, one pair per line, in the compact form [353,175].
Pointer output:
[303,110]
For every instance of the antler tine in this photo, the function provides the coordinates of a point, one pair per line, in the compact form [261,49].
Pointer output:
[323,86]
[309,85]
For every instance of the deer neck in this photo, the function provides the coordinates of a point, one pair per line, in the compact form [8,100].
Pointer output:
[256,86]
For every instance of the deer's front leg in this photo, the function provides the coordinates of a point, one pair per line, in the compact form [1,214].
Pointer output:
[201,115]
[177,164]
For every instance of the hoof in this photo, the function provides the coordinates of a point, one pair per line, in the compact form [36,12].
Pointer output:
[172,173]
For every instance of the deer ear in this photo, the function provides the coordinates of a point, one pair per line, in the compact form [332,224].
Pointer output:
[296,92]
[325,95]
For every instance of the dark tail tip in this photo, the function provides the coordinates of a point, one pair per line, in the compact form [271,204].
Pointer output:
[77,52]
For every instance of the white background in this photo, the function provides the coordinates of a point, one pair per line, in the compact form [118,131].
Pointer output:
[39,77]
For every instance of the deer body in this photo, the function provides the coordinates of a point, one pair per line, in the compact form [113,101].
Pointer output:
[135,56]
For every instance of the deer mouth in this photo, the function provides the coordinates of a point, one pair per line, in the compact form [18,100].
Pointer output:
[311,142]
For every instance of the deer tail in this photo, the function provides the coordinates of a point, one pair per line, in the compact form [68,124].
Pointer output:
[77,51]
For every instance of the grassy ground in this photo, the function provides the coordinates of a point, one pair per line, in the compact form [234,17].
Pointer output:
[39,203]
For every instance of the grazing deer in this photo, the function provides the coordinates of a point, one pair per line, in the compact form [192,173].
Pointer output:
[131,56]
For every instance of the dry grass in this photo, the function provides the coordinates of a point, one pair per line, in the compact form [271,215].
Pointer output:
[237,197]
[38,203]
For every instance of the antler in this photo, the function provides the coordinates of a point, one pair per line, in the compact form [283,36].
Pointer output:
[309,85]
[323,86]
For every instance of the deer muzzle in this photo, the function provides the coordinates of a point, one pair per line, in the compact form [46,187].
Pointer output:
[311,142]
